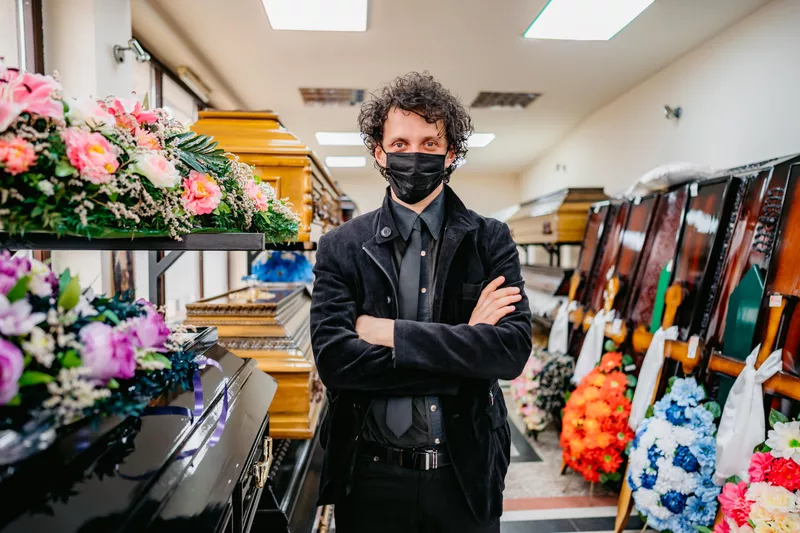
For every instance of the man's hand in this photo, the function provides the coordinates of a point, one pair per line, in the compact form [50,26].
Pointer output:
[377,331]
[495,303]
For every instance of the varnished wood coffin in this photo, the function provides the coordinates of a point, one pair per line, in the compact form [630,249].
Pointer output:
[270,324]
[259,139]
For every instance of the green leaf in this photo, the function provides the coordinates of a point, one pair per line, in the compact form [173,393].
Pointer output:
[603,478]
[157,357]
[31,377]
[774,417]
[19,290]
[752,524]
[111,316]
[713,408]
[650,411]
[178,138]
[71,294]
[631,381]
[703,529]
[616,476]
[15,401]
[629,394]
[733,479]
[146,101]
[112,384]
[64,280]
[71,359]
[671,381]
[627,360]
[224,208]
[26,361]
[64,169]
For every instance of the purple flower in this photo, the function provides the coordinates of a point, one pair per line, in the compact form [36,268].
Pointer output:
[16,319]
[108,353]
[11,269]
[11,363]
[149,331]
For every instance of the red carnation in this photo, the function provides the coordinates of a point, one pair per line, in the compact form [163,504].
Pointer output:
[785,473]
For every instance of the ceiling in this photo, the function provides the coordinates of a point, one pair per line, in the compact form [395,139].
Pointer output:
[470,45]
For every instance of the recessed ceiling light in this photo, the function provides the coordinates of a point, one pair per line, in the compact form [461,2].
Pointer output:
[317,15]
[585,20]
[480,140]
[346,138]
[346,161]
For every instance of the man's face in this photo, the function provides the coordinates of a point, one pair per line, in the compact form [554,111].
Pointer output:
[405,131]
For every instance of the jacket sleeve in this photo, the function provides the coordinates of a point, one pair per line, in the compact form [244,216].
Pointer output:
[346,362]
[480,351]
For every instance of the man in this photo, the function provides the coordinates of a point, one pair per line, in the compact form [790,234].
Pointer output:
[418,310]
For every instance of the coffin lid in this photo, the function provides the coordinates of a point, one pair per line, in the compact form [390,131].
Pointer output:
[252,300]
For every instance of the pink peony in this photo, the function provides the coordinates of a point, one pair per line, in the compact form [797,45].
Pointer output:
[201,194]
[149,331]
[16,155]
[146,140]
[156,168]
[108,353]
[256,193]
[760,465]
[11,365]
[132,108]
[91,154]
[734,502]
[27,93]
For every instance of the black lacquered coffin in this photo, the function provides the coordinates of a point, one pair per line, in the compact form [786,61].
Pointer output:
[161,473]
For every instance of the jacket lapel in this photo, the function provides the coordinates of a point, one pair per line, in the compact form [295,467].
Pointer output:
[379,246]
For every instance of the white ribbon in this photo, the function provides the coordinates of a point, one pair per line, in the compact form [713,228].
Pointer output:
[592,349]
[742,426]
[559,332]
[648,375]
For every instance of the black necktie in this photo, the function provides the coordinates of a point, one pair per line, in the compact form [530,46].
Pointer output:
[399,411]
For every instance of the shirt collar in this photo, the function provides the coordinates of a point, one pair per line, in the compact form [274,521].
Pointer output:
[433,216]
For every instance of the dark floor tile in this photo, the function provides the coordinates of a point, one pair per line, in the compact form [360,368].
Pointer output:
[538,526]
[526,452]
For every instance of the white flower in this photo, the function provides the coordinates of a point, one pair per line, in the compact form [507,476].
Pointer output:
[17,320]
[39,283]
[88,112]
[45,187]
[673,478]
[684,436]
[650,501]
[784,439]
[40,346]
[157,169]
[84,307]
[71,393]
[772,497]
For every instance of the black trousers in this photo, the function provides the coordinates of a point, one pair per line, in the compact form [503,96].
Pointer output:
[388,498]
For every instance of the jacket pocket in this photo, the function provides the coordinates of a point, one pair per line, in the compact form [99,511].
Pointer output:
[472,291]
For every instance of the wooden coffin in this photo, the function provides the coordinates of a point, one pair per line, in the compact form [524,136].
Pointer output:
[559,217]
[259,139]
[270,324]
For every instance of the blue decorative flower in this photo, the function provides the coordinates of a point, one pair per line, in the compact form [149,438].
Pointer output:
[686,392]
[631,482]
[705,450]
[653,455]
[282,267]
[648,479]
[707,493]
[684,459]
[676,415]
[700,419]
[701,511]
[674,501]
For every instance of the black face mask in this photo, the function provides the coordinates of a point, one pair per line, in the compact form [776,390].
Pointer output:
[413,176]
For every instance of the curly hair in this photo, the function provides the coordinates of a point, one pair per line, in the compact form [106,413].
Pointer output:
[424,95]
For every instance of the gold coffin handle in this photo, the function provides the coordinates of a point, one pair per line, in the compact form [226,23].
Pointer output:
[261,468]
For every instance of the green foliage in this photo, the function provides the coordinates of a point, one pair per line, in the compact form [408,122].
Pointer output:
[200,153]
[631,381]
[713,408]
[70,295]
[19,290]
[32,377]
[703,529]
[775,417]
[650,411]
[627,360]
[153,357]
[71,359]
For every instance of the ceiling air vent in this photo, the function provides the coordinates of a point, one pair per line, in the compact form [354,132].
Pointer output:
[332,97]
[504,100]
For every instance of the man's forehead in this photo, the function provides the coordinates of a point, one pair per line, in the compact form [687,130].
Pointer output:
[401,121]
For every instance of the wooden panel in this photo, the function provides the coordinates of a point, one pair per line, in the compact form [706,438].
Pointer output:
[607,262]
[632,242]
[592,242]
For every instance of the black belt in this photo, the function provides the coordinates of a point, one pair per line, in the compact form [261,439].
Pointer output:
[416,459]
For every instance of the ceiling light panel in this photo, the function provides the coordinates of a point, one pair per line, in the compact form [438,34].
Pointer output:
[322,97]
[317,15]
[585,20]
[340,138]
[495,100]
[480,140]
[340,161]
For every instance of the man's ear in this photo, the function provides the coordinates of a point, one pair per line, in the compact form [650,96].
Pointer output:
[450,159]
[380,156]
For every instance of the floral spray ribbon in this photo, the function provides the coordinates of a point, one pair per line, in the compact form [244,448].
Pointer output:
[559,333]
[742,426]
[648,375]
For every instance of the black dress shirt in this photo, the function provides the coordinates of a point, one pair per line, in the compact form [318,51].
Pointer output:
[427,427]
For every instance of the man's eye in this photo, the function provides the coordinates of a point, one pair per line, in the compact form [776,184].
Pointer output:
[430,144]
[398,144]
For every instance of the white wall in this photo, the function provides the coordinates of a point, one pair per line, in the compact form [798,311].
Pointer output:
[739,94]
[483,193]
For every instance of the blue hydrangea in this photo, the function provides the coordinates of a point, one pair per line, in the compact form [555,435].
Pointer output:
[648,479]
[676,415]
[701,511]
[685,459]
[707,492]
[686,392]
[632,483]
[674,501]
[283,267]
[705,450]
[653,455]
[700,419]
[661,406]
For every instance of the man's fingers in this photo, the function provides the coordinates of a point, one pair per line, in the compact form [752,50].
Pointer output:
[495,317]
[493,285]
[502,293]
[508,300]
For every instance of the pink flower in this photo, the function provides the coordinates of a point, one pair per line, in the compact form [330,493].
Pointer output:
[760,465]
[132,107]
[145,139]
[723,527]
[734,502]
[16,155]
[27,93]
[11,365]
[92,114]
[201,194]
[91,154]
[157,169]
[149,331]
[108,353]
[256,193]
[11,269]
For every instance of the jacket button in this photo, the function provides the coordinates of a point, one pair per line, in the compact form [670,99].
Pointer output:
[385,232]
[388,299]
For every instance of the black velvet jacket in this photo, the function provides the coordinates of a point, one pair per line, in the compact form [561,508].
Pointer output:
[446,357]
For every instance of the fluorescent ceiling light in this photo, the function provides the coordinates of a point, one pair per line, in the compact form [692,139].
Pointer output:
[585,20]
[333,138]
[346,161]
[480,140]
[317,15]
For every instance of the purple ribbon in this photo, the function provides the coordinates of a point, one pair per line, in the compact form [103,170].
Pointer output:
[193,414]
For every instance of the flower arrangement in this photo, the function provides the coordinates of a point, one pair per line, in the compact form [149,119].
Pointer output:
[66,354]
[770,502]
[595,430]
[539,391]
[672,460]
[112,168]
[282,267]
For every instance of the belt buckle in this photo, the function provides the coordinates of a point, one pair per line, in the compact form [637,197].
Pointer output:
[431,459]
